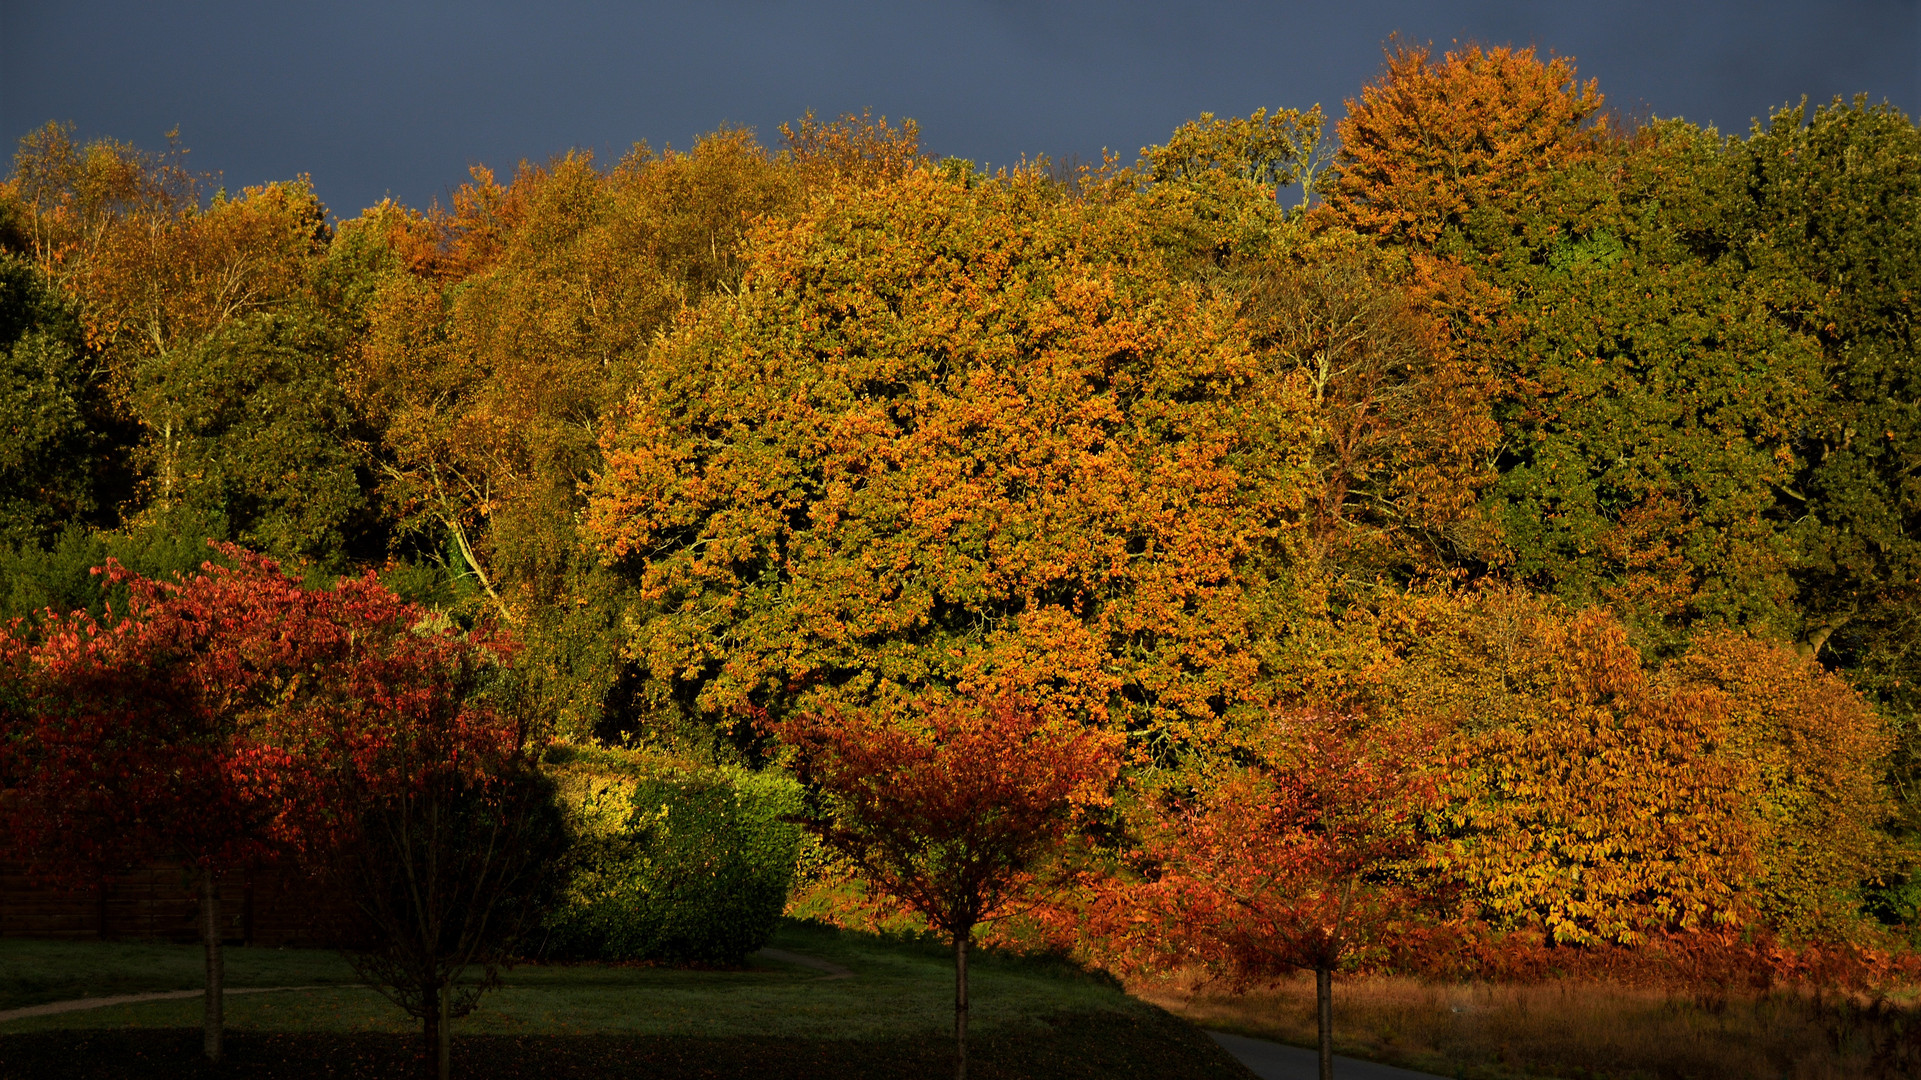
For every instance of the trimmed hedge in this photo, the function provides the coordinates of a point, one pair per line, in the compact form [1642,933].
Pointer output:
[699,872]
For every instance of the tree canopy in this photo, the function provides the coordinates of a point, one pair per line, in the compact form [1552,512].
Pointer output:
[1583,445]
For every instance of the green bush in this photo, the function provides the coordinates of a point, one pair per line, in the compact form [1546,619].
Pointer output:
[699,872]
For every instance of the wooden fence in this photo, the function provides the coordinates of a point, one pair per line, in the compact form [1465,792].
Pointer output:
[162,901]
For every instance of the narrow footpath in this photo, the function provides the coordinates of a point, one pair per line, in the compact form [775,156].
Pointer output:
[1279,1061]
[81,1004]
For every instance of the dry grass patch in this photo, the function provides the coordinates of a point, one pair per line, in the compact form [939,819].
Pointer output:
[1571,1029]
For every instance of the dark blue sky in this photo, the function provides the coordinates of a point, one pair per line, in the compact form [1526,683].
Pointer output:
[397,98]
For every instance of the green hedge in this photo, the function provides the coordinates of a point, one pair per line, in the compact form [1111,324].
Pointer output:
[700,872]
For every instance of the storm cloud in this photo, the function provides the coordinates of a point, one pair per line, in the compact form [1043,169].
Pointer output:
[378,99]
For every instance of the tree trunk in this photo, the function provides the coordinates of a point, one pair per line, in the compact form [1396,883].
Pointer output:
[445,1049]
[960,1005]
[430,1025]
[1324,998]
[1809,647]
[216,1020]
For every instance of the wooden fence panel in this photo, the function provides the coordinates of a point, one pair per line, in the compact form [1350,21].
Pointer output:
[161,901]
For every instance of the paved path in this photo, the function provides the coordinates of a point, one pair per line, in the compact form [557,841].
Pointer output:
[1278,1061]
[78,1004]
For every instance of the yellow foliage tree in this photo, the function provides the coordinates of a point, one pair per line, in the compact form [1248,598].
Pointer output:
[1594,799]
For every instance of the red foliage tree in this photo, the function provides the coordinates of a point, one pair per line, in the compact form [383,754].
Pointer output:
[146,736]
[426,810]
[954,817]
[235,717]
[1298,854]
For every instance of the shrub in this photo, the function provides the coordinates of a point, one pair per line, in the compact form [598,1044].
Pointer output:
[699,871]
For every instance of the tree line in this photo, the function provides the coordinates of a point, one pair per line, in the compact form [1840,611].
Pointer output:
[1553,475]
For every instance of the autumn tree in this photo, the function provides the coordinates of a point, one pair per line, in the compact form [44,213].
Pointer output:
[238,716]
[148,734]
[211,344]
[1402,432]
[1300,851]
[953,435]
[860,150]
[1814,753]
[500,332]
[1597,799]
[1464,143]
[1209,198]
[425,809]
[954,813]
[1646,399]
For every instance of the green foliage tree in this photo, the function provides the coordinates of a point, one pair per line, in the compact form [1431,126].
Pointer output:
[1834,220]
[55,464]
[253,440]
[1654,402]
[208,350]
[1648,401]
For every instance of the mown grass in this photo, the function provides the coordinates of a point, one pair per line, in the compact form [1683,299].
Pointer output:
[893,1017]
[1572,1029]
[34,972]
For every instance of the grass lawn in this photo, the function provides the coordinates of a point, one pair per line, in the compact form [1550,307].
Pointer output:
[892,1018]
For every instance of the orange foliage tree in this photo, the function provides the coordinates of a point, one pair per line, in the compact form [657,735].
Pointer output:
[963,434]
[487,364]
[500,333]
[1482,132]
[1815,754]
[954,815]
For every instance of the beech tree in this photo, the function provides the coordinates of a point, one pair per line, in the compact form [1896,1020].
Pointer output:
[954,432]
[954,814]
[1437,144]
[1596,799]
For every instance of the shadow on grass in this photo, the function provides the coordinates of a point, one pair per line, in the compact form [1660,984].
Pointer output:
[1068,1046]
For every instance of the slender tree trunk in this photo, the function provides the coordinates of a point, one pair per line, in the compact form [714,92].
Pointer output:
[430,1025]
[960,1005]
[1324,998]
[216,1020]
[445,1049]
